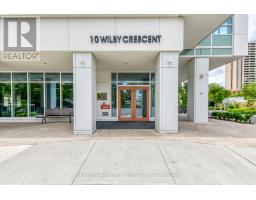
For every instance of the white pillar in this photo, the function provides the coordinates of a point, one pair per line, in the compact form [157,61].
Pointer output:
[84,68]
[166,115]
[198,70]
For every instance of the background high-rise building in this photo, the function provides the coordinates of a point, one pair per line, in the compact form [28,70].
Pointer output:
[249,67]
[242,70]
[234,75]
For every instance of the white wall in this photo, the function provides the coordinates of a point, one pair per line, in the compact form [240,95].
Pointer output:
[157,93]
[84,68]
[54,34]
[171,30]
[198,70]
[167,92]
[240,35]
[73,34]
[103,85]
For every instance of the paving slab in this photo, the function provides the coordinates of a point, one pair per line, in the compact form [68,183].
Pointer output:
[193,163]
[7,152]
[128,161]
[248,153]
[48,163]
[124,162]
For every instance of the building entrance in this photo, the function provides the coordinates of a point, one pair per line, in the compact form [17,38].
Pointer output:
[133,102]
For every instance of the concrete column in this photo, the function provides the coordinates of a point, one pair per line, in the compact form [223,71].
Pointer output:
[198,70]
[84,68]
[166,115]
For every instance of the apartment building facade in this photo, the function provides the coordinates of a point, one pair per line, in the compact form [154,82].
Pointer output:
[118,67]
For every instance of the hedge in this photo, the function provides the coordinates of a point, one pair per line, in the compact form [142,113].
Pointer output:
[244,111]
[234,115]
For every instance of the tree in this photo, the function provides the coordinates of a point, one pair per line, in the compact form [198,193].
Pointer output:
[182,96]
[249,91]
[217,93]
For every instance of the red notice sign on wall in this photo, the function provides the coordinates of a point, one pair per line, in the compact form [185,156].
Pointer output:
[105,106]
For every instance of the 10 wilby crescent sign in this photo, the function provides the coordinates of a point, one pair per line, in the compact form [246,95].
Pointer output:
[125,39]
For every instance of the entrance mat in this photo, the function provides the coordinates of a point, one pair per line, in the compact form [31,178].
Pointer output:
[125,125]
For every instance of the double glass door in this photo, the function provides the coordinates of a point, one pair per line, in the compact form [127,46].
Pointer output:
[133,103]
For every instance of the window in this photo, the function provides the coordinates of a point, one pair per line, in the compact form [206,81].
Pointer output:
[28,94]
[222,51]
[36,77]
[5,94]
[152,109]
[205,42]
[221,37]
[223,30]
[67,90]
[5,77]
[203,51]
[52,77]
[20,91]
[52,90]
[221,40]
[228,21]
[113,94]
[67,77]
[36,91]
[19,77]
[133,78]
[187,52]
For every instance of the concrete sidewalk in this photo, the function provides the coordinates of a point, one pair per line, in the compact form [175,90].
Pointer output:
[214,132]
[218,152]
[132,161]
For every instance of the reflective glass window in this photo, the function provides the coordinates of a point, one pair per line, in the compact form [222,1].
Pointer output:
[187,52]
[67,95]
[222,51]
[221,40]
[35,77]
[20,100]
[52,95]
[67,77]
[36,99]
[205,42]
[5,77]
[19,77]
[133,78]
[5,99]
[203,51]
[114,95]
[55,77]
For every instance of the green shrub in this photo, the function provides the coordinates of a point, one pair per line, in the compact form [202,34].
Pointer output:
[214,114]
[243,111]
[227,115]
[241,115]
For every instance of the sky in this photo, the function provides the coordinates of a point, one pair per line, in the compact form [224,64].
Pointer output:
[218,75]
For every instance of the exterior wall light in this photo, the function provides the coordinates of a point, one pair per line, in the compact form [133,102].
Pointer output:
[169,60]
[82,60]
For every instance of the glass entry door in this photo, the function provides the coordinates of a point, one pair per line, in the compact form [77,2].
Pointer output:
[133,103]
